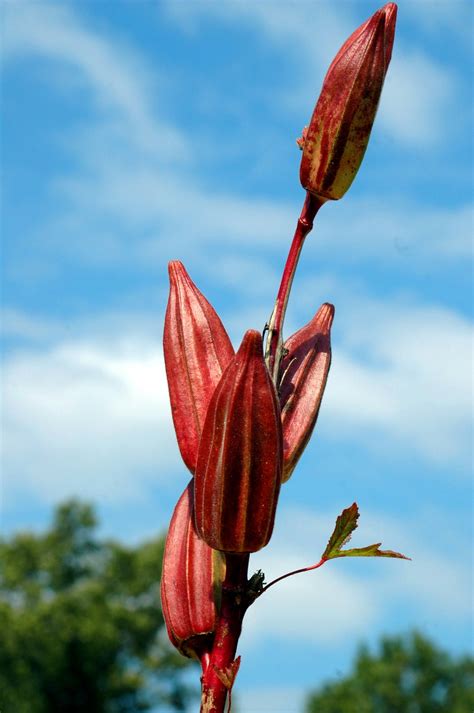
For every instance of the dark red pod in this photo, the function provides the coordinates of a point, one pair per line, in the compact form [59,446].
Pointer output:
[335,141]
[238,472]
[304,370]
[191,582]
[197,350]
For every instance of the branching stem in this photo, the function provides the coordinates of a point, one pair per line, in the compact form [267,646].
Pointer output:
[290,574]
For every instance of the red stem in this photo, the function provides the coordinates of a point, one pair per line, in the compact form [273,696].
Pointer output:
[234,602]
[274,342]
[290,574]
[218,672]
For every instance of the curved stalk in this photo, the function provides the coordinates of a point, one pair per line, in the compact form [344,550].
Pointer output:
[274,344]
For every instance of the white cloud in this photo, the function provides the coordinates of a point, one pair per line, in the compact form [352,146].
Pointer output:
[90,414]
[401,377]
[403,380]
[84,418]
[133,197]
[404,384]
[417,94]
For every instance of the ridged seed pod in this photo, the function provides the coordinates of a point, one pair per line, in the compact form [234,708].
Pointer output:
[238,472]
[304,370]
[191,582]
[197,350]
[335,141]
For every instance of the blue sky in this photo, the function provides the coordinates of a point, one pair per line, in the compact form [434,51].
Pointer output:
[138,132]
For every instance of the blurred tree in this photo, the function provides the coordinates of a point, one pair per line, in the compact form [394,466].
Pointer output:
[81,623]
[407,675]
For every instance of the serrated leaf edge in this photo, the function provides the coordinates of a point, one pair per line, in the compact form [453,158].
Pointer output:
[345,525]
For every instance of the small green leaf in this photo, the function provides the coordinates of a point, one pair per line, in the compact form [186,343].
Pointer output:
[370,551]
[346,523]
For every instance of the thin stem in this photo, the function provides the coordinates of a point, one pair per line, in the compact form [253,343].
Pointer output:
[274,345]
[290,574]
[205,659]
[217,678]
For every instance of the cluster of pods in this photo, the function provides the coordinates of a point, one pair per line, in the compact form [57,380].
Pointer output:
[240,435]
[243,419]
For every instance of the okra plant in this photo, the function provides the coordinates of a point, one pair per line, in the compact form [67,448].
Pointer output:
[243,418]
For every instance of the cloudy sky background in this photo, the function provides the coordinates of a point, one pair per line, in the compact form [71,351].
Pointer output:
[138,132]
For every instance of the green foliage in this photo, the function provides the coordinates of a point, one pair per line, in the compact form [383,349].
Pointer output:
[345,525]
[407,675]
[81,622]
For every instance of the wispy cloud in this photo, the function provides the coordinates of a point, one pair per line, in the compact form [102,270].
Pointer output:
[417,96]
[83,418]
[160,205]
[403,375]
[119,82]
[90,414]
[398,232]
[419,89]
[114,198]
[132,172]
[405,380]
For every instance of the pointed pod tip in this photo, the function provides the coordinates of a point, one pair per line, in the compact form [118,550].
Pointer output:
[339,130]
[390,17]
[251,342]
[175,267]
[178,275]
[390,9]
[385,15]
[252,335]
[197,350]
[326,315]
